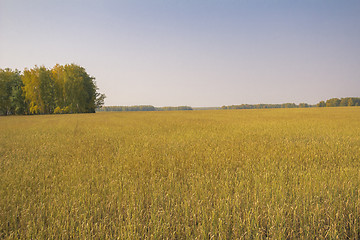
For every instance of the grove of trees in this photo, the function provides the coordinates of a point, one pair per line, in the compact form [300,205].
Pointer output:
[39,90]
[340,102]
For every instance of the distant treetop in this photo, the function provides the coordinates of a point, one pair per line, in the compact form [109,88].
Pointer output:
[141,108]
[340,102]
[333,102]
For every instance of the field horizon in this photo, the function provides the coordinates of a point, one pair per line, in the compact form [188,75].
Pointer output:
[229,174]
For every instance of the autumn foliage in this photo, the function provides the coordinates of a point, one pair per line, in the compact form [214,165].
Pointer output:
[39,90]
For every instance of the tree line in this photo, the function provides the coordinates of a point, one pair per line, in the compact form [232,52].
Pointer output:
[263,106]
[333,102]
[179,108]
[340,102]
[141,108]
[39,90]
[126,108]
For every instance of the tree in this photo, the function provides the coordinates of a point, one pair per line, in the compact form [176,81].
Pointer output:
[5,91]
[17,99]
[303,105]
[11,100]
[59,87]
[344,102]
[99,100]
[47,92]
[80,89]
[333,102]
[39,90]
[75,90]
[321,104]
[288,105]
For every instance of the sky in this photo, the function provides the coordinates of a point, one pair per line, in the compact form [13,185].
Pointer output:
[192,52]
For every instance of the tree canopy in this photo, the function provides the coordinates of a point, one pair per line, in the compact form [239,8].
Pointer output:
[62,89]
[341,102]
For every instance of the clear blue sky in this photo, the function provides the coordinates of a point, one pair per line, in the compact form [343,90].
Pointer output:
[192,52]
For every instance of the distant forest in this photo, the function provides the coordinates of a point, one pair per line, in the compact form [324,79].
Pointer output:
[62,89]
[70,89]
[333,102]
[141,108]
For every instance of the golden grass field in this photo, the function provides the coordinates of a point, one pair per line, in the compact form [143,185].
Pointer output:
[225,174]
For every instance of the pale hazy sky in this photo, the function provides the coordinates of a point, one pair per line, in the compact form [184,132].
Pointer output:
[192,52]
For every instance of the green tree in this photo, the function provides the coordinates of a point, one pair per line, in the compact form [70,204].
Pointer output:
[11,100]
[344,102]
[321,104]
[288,105]
[77,90]
[31,90]
[5,91]
[303,105]
[17,99]
[39,90]
[46,90]
[58,74]
[99,100]
[333,102]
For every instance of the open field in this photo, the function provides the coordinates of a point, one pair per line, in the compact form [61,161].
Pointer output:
[277,173]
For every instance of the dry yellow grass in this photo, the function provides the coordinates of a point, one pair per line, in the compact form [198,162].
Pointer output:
[274,173]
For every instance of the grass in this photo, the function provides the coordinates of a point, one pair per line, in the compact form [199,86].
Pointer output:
[226,174]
